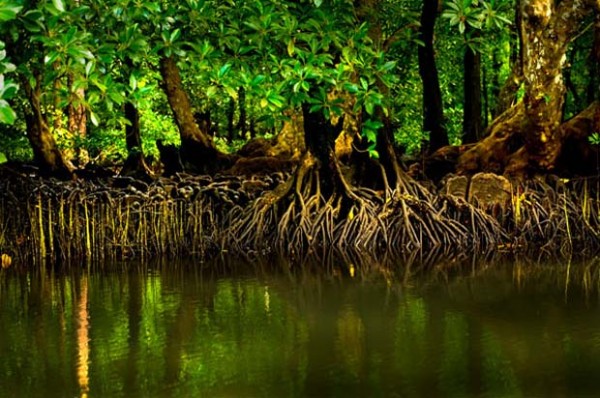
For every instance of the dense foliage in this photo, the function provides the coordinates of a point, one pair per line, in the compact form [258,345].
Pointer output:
[246,64]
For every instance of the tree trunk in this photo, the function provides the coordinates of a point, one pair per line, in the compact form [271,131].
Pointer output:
[433,113]
[472,123]
[370,11]
[230,116]
[548,29]
[320,136]
[198,152]
[486,99]
[135,164]
[241,126]
[593,90]
[45,151]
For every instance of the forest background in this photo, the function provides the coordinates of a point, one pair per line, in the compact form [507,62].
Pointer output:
[99,81]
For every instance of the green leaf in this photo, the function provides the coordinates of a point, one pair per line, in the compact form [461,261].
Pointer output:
[51,57]
[223,71]
[388,66]
[132,81]
[94,119]
[7,114]
[351,88]
[315,108]
[211,91]
[318,3]
[9,12]
[276,100]
[3,158]
[257,80]
[364,83]
[231,92]
[9,91]
[176,34]
[370,135]
[89,68]
[58,4]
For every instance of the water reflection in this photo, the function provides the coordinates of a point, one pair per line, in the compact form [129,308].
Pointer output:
[83,347]
[522,329]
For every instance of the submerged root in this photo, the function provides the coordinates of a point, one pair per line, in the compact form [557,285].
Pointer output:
[564,216]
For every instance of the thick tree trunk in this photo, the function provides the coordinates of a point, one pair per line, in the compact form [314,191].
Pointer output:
[320,136]
[45,151]
[135,164]
[472,121]
[433,114]
[198,152]
[548,29]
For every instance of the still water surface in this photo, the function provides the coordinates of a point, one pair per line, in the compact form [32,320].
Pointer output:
[493,331]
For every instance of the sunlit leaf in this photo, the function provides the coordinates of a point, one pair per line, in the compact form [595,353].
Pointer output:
[7,114]
[9,12]
[132,81]
[231,92]
[94,119]
[58,4]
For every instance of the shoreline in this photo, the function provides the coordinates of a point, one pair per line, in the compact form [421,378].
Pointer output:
[121,218]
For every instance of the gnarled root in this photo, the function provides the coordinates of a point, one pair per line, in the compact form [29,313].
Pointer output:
[297,218]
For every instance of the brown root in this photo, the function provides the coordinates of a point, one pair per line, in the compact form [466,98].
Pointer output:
[297,218]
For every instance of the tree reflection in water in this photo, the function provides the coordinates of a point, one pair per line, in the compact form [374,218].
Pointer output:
[452,328]
[83,347]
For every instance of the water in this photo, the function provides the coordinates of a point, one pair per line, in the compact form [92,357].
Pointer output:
[491,331]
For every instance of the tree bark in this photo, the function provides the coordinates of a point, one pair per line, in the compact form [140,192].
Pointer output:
[135,164]
[369,11]
[472,121]
[242,124]
[547,31]
[433,113]
[230,123]
[320,136]
[45,151]
[198,151]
